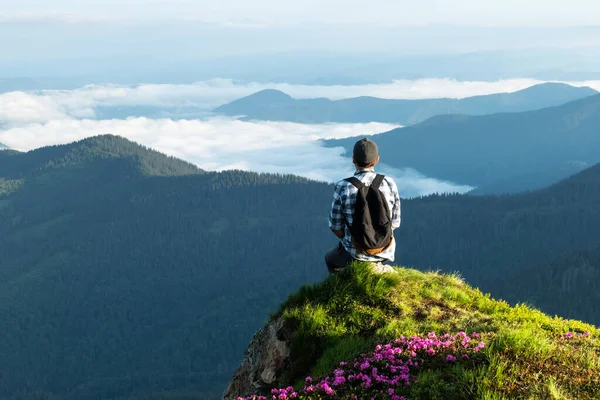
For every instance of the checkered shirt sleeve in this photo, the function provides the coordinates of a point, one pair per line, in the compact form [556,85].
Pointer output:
[396,214]
[336,217]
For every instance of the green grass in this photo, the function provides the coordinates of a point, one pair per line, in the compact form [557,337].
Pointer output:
[525,356]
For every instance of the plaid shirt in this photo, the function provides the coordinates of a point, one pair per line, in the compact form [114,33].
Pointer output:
[342,209]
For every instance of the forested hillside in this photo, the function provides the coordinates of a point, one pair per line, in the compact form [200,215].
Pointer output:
[130,282]
[492,240]
[499,153]
[133,272]
[559,284]
[80,155]
[273,105]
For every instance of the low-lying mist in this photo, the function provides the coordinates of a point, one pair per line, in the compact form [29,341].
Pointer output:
[225,143]
[29,120]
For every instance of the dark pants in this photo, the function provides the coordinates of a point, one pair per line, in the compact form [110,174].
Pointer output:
[337,259]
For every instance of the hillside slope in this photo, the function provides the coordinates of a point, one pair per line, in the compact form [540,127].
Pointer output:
[471,234]
[131,283]
[118,264]
[419,335]
[566,277]
[142,160]
[497,153]
[274,105]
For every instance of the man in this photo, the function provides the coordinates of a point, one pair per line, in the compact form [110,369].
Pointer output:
[341,218]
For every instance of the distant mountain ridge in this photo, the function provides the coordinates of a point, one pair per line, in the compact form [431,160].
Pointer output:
[498,153]
[275,105]
[3,146]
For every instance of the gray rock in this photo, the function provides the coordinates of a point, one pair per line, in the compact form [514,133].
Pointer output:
[263,361]
[380,268]
[267,354]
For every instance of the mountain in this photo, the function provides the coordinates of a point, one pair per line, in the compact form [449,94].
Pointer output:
[572,273]
[135,273]
[499,153]
[471,234]
[74,157]
[3,146]
[278,106]
[417,335]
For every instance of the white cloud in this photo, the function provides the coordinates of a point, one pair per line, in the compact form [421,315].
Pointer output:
[80,103]
[418,89]
[394,13]
[22,107]
[53,16]
[35,119]
[243,25]
[220,143]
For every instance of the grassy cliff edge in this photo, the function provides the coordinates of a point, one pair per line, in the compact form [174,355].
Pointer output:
[414,335]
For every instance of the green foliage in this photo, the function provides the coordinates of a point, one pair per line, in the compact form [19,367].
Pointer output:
[8,186]
[528,355]
[540,247]
[130,283]
[349,305]
[441,384]
[133,272]
[529,341]
[85,152]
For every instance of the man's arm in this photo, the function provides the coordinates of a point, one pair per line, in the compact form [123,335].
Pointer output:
[336,218]
[396,213]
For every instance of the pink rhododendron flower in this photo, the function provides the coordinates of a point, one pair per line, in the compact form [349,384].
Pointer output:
[386,372]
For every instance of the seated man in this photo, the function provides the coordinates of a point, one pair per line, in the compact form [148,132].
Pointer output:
[364,217]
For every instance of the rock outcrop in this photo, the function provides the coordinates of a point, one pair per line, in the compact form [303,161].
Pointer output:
[380,268]
[263,360]
[267,354]
[368,332]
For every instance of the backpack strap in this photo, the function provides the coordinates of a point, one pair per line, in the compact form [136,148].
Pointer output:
[377,181]
[356,182]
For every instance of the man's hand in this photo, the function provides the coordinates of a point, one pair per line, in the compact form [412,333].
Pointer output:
[339,234]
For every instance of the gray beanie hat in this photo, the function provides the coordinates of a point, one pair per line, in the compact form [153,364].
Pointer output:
[365,152]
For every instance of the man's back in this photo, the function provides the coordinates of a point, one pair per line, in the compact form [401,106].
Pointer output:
[342,212]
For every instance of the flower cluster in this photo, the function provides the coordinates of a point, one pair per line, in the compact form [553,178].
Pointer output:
[385,373]
[577,336]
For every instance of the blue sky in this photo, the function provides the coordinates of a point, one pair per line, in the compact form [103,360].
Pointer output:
[144,38]
[40,29]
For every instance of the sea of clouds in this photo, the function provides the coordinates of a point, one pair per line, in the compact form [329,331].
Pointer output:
[29,120]
[44,105]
